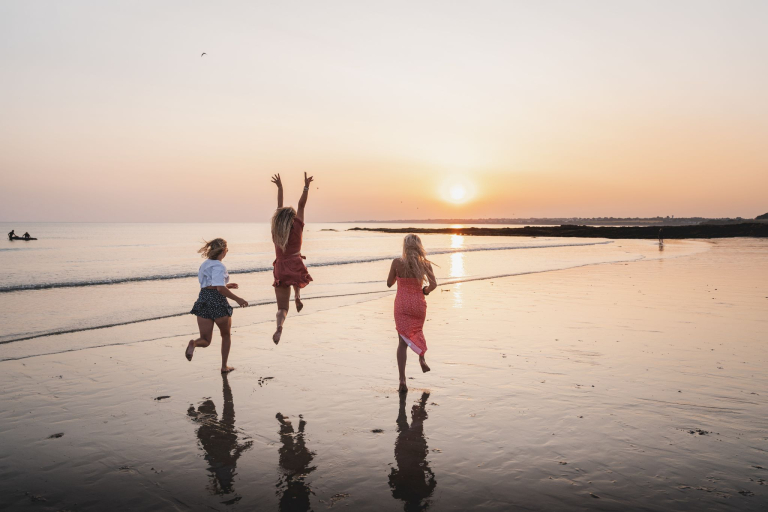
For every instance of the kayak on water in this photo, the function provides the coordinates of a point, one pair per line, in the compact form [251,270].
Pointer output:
[20,238]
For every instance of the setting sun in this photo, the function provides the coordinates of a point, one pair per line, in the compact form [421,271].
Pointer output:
[458,192]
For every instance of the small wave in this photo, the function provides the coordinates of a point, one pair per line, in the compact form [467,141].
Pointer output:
[447,282]
[172,315]
[251,270]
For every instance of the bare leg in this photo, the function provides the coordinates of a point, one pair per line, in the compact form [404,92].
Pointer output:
[206,332]
[402,355]
[225,325]
[423,363]
[297,294]
[283,296]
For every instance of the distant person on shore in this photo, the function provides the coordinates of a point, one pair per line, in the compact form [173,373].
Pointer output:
[289,269]
[410,271]
[11,234]
[211,305]
[26,236]
[661,236]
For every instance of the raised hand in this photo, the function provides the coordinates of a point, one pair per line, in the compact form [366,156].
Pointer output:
[307,181]
[276,180]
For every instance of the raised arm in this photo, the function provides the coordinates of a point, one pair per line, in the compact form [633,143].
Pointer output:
[276,181]
[392,274]
[303,198]
[432,281]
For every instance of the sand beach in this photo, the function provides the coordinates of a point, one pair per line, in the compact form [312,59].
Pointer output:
[619,386]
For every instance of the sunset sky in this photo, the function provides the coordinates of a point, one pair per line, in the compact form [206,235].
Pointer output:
[400,109]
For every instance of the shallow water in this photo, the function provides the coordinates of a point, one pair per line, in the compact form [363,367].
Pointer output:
[635,385]
[85,276]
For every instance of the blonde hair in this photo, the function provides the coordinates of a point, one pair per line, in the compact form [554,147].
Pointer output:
[282,222]
[213,249]
[415,258]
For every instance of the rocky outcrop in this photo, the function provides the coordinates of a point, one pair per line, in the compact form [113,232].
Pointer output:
[745,229]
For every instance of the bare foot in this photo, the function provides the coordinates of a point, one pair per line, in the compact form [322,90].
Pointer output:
[423,363]
[299,305]
[403,388]
[278,333]
[190,350]
[227,369]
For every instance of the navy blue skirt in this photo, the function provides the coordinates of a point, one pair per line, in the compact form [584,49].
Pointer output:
[211,304]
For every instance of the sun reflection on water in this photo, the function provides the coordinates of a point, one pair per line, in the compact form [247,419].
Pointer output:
[457,241]
[457,265]
[457,271]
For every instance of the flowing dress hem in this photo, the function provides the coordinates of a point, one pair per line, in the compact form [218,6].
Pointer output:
[292,282]
[411,344]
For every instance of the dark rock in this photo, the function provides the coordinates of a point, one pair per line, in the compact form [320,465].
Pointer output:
[744,229]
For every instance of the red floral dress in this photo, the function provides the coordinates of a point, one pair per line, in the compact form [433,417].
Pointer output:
[289,268]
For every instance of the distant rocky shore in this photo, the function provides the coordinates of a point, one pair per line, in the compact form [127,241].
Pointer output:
[743,229]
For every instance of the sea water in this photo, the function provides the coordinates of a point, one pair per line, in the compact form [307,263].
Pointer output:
[87,276]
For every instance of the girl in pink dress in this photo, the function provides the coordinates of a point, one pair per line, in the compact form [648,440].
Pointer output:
[410,271]
[289,269]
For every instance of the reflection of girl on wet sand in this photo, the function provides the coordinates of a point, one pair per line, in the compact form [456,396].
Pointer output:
[218,439]
[410,271]
[295,459]
[413,481]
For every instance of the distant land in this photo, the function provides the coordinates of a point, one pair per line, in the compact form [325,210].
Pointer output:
[750,228]
[579,221]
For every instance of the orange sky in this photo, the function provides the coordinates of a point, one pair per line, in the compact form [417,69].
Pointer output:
[597,108]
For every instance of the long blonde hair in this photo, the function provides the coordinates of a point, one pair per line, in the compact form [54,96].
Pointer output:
[282,222]
[415,258]
[213,249]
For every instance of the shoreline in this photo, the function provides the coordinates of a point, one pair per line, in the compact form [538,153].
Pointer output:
[619,384]
[705,231]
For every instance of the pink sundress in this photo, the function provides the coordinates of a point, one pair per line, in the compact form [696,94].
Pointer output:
[410,313]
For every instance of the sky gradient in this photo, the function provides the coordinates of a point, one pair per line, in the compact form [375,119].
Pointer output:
[592,108]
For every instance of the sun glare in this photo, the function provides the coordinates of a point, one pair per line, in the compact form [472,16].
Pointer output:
[457,190]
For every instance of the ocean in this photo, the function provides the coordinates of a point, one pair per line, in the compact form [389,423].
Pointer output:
[87,276]
[567,374]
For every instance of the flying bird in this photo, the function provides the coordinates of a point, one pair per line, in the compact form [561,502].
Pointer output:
[203,54]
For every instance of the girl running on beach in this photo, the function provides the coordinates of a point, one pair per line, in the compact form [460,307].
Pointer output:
[212,306]
[289,268]
[410,271]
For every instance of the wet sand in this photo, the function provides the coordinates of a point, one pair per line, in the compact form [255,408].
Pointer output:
[628,386]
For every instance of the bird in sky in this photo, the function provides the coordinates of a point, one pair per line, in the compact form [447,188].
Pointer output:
[203,54]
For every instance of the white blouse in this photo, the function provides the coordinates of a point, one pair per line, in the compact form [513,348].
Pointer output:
[212,273]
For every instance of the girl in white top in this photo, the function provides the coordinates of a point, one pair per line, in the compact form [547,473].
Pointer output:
[211,305]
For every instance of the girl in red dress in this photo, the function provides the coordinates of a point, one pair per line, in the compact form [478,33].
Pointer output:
[289,269]
[410,271]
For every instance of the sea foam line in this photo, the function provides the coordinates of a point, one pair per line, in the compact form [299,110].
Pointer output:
[447,282]
[251,270]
